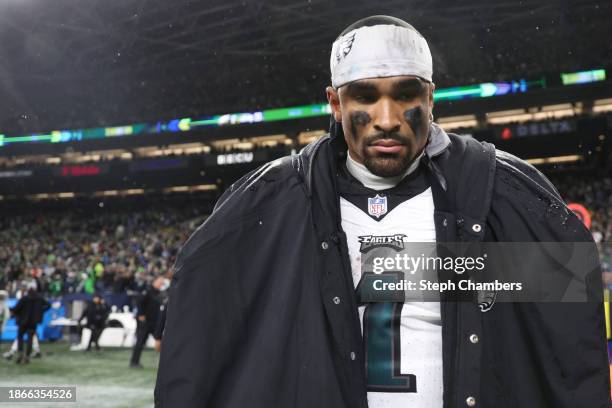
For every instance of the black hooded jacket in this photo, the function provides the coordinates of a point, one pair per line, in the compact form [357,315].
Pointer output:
[252,321]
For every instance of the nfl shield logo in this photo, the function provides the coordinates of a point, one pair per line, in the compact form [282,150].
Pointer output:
[377,206]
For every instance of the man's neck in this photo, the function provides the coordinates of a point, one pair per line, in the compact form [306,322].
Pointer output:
[370,180]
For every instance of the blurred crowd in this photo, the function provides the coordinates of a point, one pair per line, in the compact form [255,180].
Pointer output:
[595,193]
[92,249]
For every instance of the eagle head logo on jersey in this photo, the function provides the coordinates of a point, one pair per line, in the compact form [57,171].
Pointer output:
[377,206]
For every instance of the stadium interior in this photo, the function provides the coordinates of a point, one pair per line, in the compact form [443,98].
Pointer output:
[123,122]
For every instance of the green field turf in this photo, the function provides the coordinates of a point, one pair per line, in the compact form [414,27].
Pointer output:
[102,380]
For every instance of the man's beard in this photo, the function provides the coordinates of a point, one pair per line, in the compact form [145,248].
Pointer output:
[387,164]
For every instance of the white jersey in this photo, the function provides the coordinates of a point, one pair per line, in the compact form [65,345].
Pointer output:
[403,341]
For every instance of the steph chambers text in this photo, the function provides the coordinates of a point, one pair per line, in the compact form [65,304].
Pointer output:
[464,284]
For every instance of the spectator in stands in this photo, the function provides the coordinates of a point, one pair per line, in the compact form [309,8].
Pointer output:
[72,252]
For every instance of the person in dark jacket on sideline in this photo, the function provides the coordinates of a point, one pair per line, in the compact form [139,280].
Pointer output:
[28,313]
[96,313]
[147,318]
[267,306]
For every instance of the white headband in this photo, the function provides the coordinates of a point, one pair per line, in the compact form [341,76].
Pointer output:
[379,51]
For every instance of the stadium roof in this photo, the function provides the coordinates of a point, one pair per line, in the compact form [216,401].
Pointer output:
[98,63]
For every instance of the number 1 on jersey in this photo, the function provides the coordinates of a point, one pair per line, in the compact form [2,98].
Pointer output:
[381,334]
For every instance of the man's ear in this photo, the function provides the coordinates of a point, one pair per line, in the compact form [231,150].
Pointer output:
[333,97]
[432,88]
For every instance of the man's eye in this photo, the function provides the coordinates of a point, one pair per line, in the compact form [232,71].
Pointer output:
[365,98]
[407,96]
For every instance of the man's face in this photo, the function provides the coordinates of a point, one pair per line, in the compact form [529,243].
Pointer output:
[385,120]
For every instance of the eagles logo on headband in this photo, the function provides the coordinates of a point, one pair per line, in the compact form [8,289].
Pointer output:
[380,50]
[345,47]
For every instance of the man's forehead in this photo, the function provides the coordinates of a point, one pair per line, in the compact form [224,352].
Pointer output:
[380,83]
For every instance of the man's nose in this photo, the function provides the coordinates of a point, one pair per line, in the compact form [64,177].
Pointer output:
[387,118]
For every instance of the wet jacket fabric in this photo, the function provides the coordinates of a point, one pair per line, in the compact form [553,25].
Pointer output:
[253,317]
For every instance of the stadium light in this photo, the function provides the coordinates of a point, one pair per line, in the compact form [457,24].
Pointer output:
[583,77]
[483,90]
[556,159]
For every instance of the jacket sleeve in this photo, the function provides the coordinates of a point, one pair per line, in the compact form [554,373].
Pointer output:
[204,319]
[206,325]
[527,208]
[204,312]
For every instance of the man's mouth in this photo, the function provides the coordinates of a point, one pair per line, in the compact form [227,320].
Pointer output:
[387,146]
